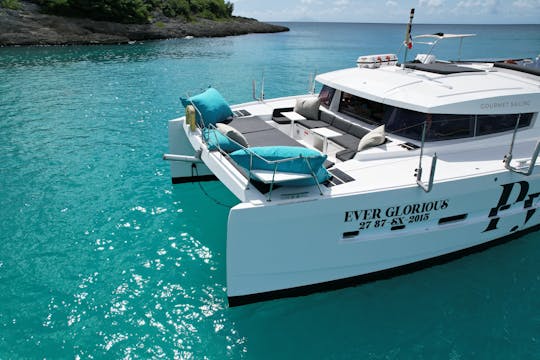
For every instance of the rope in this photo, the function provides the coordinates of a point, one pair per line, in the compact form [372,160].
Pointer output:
[195,172]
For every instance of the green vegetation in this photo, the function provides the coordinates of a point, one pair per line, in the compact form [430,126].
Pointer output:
[137,11]
[10,4]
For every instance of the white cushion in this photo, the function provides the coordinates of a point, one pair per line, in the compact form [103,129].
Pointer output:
[373,138]
[232,134]
[308,107]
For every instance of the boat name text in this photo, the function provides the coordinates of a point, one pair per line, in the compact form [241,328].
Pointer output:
[416,212]
[505,104]
[513,194]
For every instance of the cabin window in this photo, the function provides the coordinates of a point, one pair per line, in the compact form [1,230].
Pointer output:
[490,124]
[326,95]
[447,127]
[439,127]
[406,123]
[363,109]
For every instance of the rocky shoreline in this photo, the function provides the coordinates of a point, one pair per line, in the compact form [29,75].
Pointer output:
[28,26]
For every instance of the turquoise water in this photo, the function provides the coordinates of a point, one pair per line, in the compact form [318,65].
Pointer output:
[101,257]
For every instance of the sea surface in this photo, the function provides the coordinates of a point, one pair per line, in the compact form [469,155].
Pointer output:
[101,257]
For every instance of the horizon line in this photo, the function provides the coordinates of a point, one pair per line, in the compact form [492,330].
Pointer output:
[390,23]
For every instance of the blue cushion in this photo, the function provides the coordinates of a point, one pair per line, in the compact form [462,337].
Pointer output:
[214,138]
[211,105]
[298,165]
[322,175]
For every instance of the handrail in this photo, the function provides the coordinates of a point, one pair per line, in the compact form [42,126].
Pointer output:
[277,162]
[508,157]
[427,187]
[524,171]
[253,89]
[418,172]
[312,83]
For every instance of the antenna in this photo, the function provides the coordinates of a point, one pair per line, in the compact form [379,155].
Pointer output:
[408,41]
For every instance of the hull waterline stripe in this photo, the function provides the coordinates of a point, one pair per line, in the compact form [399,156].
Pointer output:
[189,179]
[379,275]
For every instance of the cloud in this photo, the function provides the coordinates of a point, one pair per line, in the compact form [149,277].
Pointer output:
[482,6]
[431,6]
[391,3]
[527,4]
[430,3]
[341,3]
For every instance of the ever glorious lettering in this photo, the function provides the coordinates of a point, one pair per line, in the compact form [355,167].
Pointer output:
[395,211]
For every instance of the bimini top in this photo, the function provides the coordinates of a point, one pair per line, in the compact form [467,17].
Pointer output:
[483,89]
[440,36]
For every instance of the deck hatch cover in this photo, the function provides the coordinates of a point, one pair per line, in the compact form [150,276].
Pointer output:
[338,178]
[241,113]
[441,68]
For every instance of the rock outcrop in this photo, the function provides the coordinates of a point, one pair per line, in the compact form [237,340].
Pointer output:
[28,26]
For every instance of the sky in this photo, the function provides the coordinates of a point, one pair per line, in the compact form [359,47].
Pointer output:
[393,11]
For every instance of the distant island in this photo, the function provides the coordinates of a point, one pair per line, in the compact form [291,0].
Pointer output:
[72,22]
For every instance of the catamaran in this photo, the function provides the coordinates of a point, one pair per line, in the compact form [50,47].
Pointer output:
[391,167]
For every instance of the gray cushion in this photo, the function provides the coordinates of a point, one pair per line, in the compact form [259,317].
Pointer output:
[345,155]
[342,124]
[281,120]
[308,107]
[358,131]
[249,124]
[278,117]
[373,138]
[232,134]
[347,141]
[270,137]
[328,118]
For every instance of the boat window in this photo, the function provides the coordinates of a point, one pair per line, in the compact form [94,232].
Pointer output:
[326,95]
[490,124]
[447,127]
[439,127]
[410,124]
[406,123]
[366,110]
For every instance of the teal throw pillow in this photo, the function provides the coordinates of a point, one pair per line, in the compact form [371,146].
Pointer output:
[215,139]
[298,165]
[211,105]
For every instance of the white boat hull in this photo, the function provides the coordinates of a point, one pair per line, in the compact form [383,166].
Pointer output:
[273,251]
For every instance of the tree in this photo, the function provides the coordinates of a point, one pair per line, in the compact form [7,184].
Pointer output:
[137,11]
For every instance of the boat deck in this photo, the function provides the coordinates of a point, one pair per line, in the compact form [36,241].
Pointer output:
[389,166]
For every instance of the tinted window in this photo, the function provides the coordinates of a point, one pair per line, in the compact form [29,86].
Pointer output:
[410,124]
[404,122]
[366,110]
[490,124]
[447,127]
[326,95]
